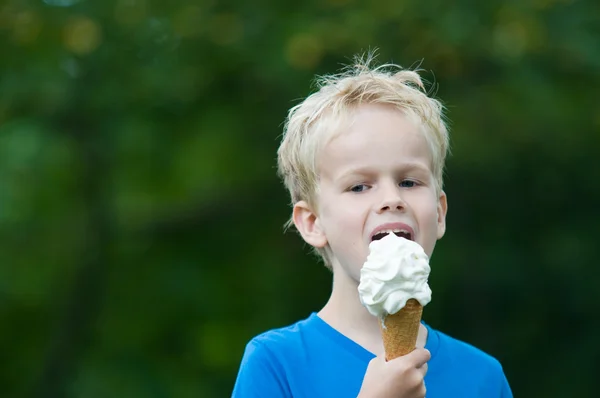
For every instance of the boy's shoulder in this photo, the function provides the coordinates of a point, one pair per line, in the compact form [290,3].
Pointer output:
[296,360]
[305,359]
[280,343]
[463,369]
[285,334]
[448,346]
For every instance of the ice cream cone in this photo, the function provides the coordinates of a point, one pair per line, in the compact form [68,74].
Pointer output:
[400,330]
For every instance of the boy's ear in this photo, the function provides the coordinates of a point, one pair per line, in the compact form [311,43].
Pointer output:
[442,209]
[308,224]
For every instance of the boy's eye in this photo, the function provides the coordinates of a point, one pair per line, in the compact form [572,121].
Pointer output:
[358,188]
[408,184]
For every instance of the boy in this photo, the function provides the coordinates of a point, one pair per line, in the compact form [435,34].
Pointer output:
[366,152]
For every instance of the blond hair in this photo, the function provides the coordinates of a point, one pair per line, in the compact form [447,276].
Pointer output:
[310,124]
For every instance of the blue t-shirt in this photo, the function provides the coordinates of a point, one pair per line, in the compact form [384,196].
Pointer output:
[311,359]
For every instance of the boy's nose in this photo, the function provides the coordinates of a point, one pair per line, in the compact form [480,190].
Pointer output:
[392,203]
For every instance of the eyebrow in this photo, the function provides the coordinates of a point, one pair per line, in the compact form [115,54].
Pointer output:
[366,171]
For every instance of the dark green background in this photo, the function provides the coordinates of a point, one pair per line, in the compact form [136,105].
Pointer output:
[141,220]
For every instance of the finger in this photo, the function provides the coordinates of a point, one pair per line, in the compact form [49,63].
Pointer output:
[422,391]
[418,357]
[423,369]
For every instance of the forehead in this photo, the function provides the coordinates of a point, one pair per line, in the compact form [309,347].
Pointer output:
[375,136]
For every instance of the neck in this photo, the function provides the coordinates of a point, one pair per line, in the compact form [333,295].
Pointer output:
[345,313]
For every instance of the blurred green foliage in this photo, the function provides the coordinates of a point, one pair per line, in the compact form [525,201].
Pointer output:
[141,239]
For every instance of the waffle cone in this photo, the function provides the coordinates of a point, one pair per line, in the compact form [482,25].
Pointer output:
[400,330]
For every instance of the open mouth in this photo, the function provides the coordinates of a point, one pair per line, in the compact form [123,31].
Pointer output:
[398,232]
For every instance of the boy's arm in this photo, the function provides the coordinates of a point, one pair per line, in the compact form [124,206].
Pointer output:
[506,392]
[260,374]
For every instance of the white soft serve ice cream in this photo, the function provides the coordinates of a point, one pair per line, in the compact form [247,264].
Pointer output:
[396,270]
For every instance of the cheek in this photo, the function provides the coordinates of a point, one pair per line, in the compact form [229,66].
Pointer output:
[428,213]
[343,223]
[340,222]
[342,210]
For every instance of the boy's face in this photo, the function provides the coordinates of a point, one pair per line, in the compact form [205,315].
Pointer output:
[374,175]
